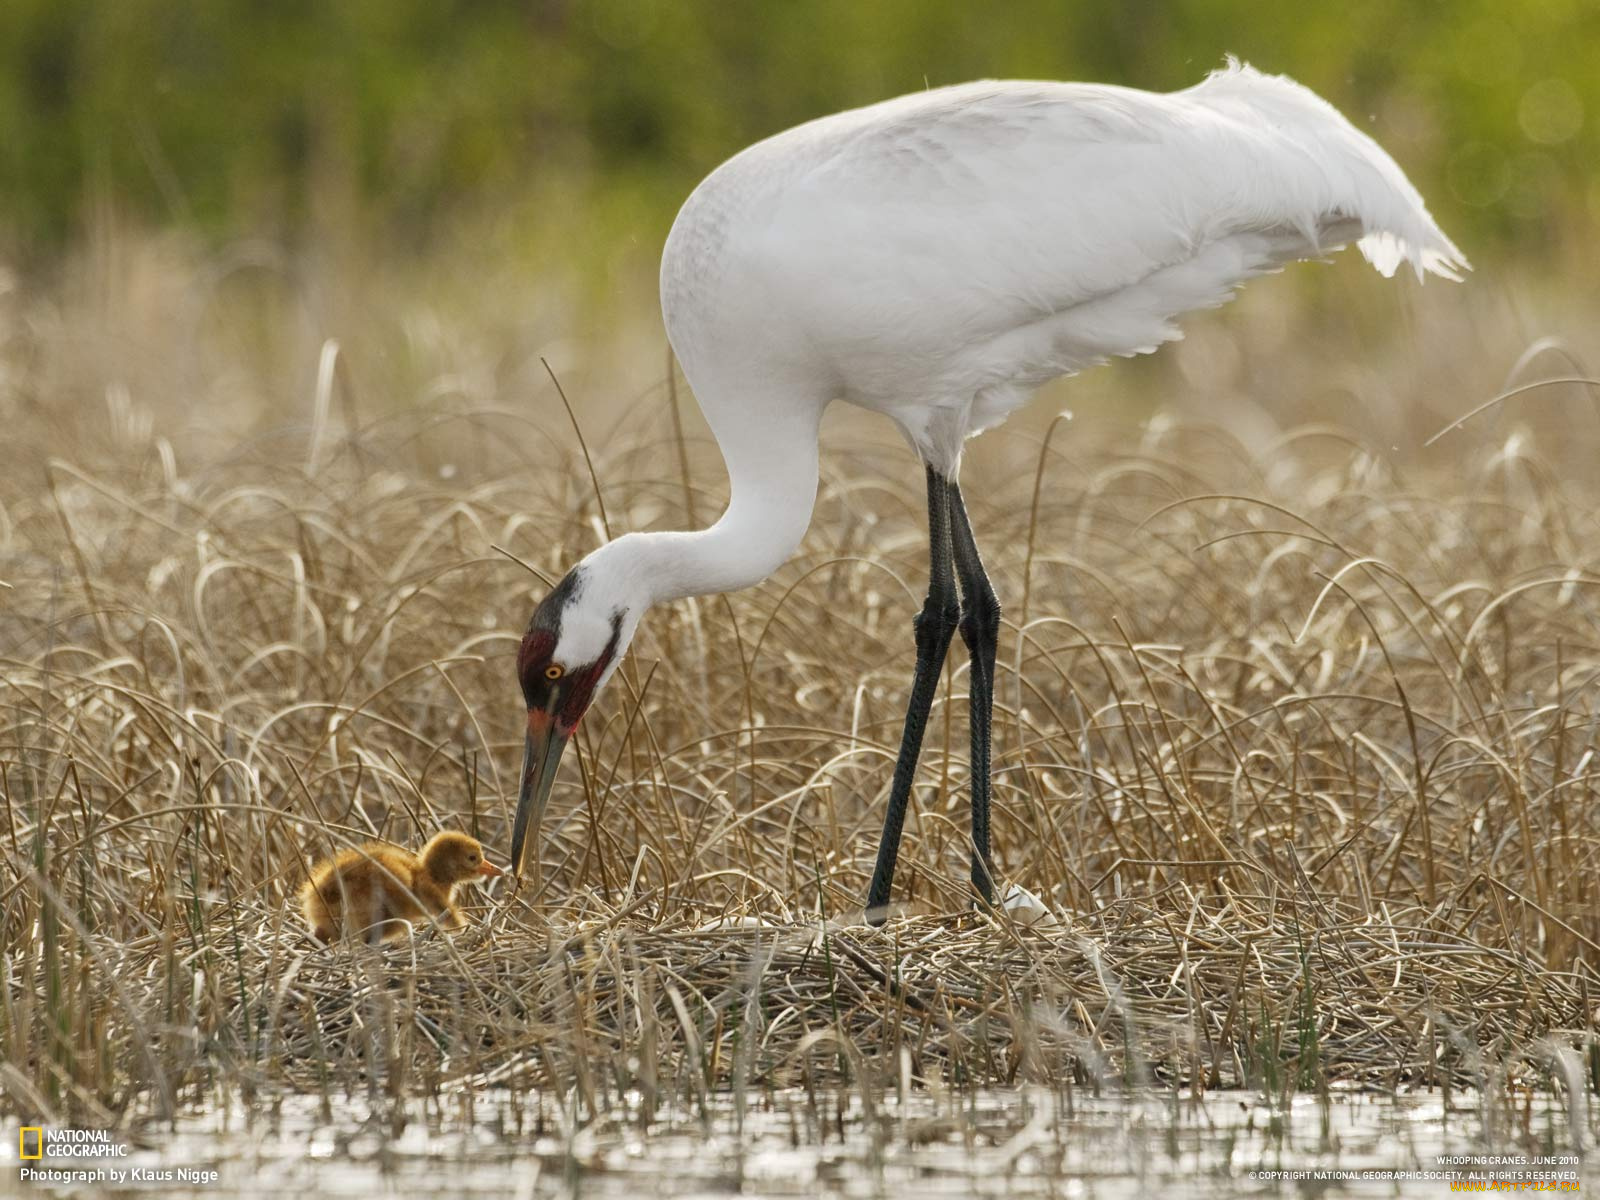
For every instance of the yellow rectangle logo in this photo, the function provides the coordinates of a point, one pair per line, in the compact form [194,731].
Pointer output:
[38,1141]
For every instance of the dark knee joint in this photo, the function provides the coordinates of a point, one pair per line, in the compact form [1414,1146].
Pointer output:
[935,623]
[980,620]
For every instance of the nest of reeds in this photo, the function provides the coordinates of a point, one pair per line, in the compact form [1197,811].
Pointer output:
[1271,992]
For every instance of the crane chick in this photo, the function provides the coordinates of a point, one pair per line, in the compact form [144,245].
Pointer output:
[380,891]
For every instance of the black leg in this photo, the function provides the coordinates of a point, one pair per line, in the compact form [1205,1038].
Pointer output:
[935,626]
[980,629]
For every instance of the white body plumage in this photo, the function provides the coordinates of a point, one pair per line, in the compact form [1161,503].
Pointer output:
[938,256]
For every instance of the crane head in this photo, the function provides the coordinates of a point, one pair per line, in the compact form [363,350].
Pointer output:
[572,645]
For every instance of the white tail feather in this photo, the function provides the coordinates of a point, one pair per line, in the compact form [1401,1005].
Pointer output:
[1346,173]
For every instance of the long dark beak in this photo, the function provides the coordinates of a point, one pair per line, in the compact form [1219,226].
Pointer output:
[541,754]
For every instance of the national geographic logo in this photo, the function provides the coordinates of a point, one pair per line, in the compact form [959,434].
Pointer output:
[44,1141]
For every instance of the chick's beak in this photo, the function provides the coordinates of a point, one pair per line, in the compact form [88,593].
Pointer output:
[541,754]
[489,871]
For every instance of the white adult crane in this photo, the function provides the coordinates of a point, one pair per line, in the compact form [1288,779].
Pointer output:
[936,258]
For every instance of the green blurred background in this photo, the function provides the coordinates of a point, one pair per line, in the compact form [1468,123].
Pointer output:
[573,128]
[196,195]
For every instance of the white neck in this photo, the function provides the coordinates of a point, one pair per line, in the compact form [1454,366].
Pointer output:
[772,466]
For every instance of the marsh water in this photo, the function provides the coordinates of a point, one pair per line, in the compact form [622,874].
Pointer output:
[1003,1142]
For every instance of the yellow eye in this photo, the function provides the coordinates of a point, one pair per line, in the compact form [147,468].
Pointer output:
[552,672]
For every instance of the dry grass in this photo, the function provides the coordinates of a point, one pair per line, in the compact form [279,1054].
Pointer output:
[1300,744]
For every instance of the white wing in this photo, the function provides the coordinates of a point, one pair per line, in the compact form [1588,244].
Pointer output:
[957,247]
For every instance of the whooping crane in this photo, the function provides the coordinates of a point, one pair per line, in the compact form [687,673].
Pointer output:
[936,258]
